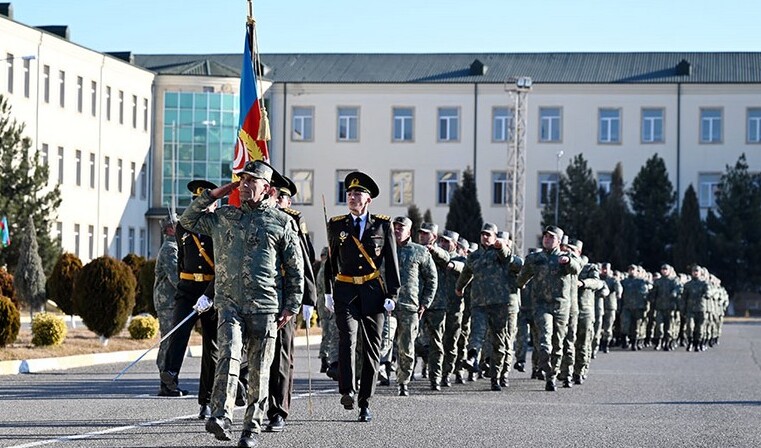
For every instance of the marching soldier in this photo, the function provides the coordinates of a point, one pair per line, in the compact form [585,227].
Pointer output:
[589,283]
[164,290]
[635,303]
[610,306]
[666,291]
[256,244]
[360,244]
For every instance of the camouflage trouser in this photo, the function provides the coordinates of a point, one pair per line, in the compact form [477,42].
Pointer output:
[695,326]
[166,322]
[388,334]
[551,321]
[719,326]
[525,321]
[664,325]
[406,332]
[492,317]
[422,342]
[462,341]
[452,330]
[633,324]
[329,341]
[510,334]
[599,313]
[259,331]
[608,321]
[651,319]
[434,325]
[584,335]
[569,343]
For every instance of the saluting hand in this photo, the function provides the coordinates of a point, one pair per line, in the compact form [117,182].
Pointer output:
[224,190]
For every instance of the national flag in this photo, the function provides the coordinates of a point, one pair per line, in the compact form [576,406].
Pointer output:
[5,234]
[253,126]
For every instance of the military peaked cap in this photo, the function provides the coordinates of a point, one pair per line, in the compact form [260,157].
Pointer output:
[357,180]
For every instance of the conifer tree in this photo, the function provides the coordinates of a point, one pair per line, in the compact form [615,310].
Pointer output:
[615,238]
[29,277]
[464,209]
[691,245]
[413,212]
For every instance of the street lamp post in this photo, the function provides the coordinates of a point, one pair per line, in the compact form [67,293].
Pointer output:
[557,185]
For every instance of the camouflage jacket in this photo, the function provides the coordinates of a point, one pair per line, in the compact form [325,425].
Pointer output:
[591,283]
[447,278]
[486,269]
[635,293]
[551,282]
[418,277]
[665,293]
[166,277]
[251,245]
[695,296]
[616,290]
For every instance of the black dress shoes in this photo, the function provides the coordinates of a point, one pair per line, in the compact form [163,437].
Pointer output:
[205,412]
[220,428]
[404,391]
[347,401]
[365,415]
[276,424]
[247,439]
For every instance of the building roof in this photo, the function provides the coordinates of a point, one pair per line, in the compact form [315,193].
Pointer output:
[546,68]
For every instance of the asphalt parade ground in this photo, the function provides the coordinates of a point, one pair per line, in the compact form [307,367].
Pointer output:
[631,399]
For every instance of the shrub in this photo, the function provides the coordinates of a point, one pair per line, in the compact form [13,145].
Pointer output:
[60,284]
[144,326]
[10,321]
[146,278]
[29,276]
[104,295]
[48,329]
[135,263]
[6,286]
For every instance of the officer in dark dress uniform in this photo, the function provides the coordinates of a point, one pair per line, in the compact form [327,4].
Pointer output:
[195,263]
[281,371]
[360,244]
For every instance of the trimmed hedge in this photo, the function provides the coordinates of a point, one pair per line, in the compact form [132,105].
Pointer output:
[104,295]
[48,329]
[60,284]
[10,321]
[144,326]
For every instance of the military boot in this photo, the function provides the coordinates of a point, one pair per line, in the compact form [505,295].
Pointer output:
[578,379]
[567,383]
[324,364]
[604,346]
[657,344]
[458,378]
[503,381]
[247,439]
[495,386]
[520,366]
[471,376]
[550,386]
[383,379]
[689,345]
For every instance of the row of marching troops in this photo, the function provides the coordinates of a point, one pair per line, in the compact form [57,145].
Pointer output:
[471,310]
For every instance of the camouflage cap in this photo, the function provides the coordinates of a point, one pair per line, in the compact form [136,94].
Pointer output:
[575,243]
[403,221]
[489,227]
[463,243]
[429,227]
[473,247]
[450,235]
[503,235]
[555,230]
[259,169]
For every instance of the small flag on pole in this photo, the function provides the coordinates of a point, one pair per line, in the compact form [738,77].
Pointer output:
[5,233]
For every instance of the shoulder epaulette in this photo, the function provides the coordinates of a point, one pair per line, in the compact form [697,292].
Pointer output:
[382,217]
[292,212]
[337,218]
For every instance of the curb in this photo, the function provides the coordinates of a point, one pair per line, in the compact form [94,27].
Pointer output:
[40,365]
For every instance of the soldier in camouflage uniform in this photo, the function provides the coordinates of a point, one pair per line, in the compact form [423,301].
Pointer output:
[722,298]
[255,244]
[666,291]
[510,272]
[552,273]
[164,290]
[463,250]
[610,306]
[569,343]
[490,299]
[419,279]
[635,304]
[695,295]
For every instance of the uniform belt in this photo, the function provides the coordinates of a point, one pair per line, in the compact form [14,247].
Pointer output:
[196,277]
[358,280]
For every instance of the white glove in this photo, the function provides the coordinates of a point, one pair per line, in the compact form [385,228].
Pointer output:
[329,304]
[203,304]
[389,305]
[306,312]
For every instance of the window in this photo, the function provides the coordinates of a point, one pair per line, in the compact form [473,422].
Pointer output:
[710,125]
[108,103]
[93,97]
[340,187]
[134,111]
[92,170]
[145,114]
[143,183]
[46,83]
[348,123]
[27,75]
[604,182]
[121,107]
[401,187]
[132,169]
[303,122]
[549,124]
[80,95]
[709,187]
[548,183]
[502,124]
[9,60]
[119,176]
[78,171]
[62,88]
[304,186]
[142,242]
[91,241]
[501,188]
[131,240]
[59,232]
[44,154]
[60,164]
[610,126]
[105,241]
[447,185]
[106,173]
[76,240]
[118,242]
[754,125]
[652,126]
[449,124]
[403,124]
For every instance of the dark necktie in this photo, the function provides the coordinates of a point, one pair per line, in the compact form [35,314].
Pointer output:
[357,227]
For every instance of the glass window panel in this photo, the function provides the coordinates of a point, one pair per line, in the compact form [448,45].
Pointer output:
[171,115]
[227,172]
[199,170]
[213,171]
[184,169]
[186,100]
[185,135]
[171,99]
[228,120]
[229,101]
[199,152]
[214,153]
[185,118]
[215,101]
[201,100]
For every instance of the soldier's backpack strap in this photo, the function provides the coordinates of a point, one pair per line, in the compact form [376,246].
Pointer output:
[202,251]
